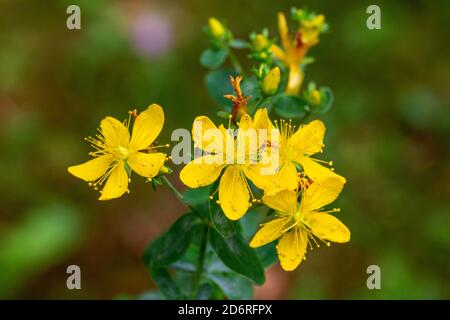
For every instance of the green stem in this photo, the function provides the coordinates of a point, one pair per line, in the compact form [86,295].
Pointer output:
[180,196]
[235,62]
[201,261]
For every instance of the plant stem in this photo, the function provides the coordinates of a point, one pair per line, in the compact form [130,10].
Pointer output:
[180,196]
[200,263]
[235,62]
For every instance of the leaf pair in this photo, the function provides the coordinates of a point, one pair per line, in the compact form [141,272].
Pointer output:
[167,249]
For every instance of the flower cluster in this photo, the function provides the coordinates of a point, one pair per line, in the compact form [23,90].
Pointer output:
[253,162]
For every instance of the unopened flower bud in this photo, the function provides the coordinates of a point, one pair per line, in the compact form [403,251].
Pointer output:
[315,97]
[165,170]
[271,81]
[260,42]
[216,27]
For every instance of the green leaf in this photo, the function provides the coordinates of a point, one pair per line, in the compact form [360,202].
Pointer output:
[233,285]
[326,100]
[232,249]
[250,223]
[165,283]
[267,254]
[213,58]
[239,44]
[217,84]
[198,199]
[288,106]
[170,246]
[151,295]
[236,254]
[210,291]
[217,279]
[251,87]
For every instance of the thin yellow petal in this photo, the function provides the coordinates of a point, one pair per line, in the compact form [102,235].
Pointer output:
[146,164]
[320,193]
[246,141]
[234,196]
[147,127]
[116,184]
[114,132]
[283,30]
[295,78]
[269,232]
[261,120]
[201,171]
[316,171]
[245,122]
[328,227]
[292,249]
[284,201]
[263,127]
[309,138]
[92,169]
[278,52]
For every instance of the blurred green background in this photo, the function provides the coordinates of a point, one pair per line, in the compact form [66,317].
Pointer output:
[388,134]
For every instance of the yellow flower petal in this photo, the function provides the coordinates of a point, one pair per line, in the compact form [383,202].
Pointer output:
[287,177]
[147,127]
[284,201]
[207,136]
[328,227]
[234,196]
[146,164]
[316,171]
[201,171]
[245,122]
[278,52]
[261,120]
[92,169]
[263,127]
[256,173]
[283,30]
[320,193]
[114,132]
[309,138]
[295,78]
[269,232]
[116,184]
[291,249]
[246,141]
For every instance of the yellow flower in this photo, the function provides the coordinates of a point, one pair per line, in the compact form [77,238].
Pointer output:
[296,47]
[298,225]
[216,27]
[224,154]
[116,151]
[298,147]
[271,81]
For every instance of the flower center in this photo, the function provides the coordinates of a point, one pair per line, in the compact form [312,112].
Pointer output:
[122,153]
[298,216]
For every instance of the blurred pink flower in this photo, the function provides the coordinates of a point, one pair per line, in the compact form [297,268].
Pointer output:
[151,34]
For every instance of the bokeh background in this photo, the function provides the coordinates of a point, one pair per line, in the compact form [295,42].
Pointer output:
[388,134]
